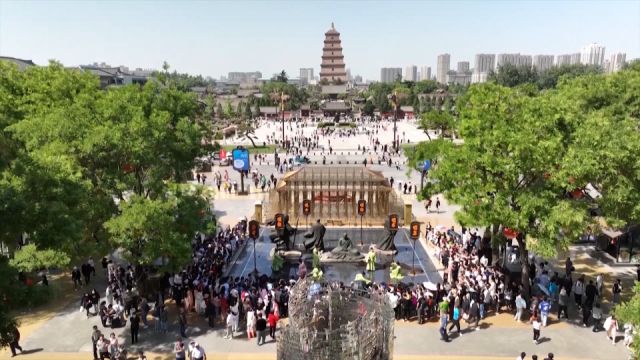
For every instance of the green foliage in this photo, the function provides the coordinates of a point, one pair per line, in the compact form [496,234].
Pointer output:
[182,82]
[438,120]
[282,77]
[29,258]
[629,312]
[511,75]
[7,326]
[273,89]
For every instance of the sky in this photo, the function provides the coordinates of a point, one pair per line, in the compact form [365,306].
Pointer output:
[212,38]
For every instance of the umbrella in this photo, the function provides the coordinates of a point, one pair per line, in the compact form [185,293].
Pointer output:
[430,286]
[544,289]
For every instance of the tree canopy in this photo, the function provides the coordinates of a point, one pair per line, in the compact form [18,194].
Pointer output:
[523,154]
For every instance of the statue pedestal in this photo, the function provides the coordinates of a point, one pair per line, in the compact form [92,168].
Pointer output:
[291,256]
[384,252]
[326,258]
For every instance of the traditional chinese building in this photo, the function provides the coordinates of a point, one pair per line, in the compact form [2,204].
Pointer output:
[332,69]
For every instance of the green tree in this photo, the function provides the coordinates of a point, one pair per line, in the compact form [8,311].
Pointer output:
[438,120]
[282,77]
[160,228]
[511,75]
[29,258]
[221,114]
[549,79]
[497,175]
[368,108]
[629,312]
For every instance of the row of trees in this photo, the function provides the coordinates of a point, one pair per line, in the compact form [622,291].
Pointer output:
[511,75]
[81,166]
[524,152]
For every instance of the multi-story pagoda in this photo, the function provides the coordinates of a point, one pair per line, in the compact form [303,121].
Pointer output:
[332,68]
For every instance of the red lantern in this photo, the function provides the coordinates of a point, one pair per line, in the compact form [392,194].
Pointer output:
[510,233]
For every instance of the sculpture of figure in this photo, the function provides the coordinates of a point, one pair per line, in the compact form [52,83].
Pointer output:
[395,273]
[387,243]
[371,259]
[345,250]
[315,237]
[282,237]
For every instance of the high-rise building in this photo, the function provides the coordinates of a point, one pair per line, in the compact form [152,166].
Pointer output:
[357,79]
[616,61]
[564,59]
[306,75]
[463,66]
[244,76]
[485,63]
[592,54]
[425,73]
[542,63]
[444,61]
[388,75]
[459,78]
[332,68]
[514,59]
[575,59]
[411,73]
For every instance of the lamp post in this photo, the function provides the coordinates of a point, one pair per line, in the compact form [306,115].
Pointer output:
[394,100]
[282,99]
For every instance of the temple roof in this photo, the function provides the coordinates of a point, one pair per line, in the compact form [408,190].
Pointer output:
[333,176]
[332,31]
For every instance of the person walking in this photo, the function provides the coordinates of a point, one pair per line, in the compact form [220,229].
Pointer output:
[563,300]
[521,304]
[578,291]
[95,336]
[196,352]
[455,320]
[261,329]
[272,320]
[179,349]
[15,342]
[438,205]
[251,323]
[182,320]
[597,316]
[611,327]
[103,347]
[536,324]
[523,356]
[134,322]
[113,345]
[545,308]
[617,290]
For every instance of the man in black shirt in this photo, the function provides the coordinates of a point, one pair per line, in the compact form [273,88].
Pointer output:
[261,329]
[134,319]
[590,291]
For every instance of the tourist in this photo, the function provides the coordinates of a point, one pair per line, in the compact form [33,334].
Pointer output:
[597,316]
[95,336]
[455,319]
[563,301]
[141,355]
[179,349]
[536,329]
[14,344]
[578,290]
[545,308]
[611,328]
[521,304]
[522,356]
[232,324]
[261,329]
[113,345]
[251,323]
[134,323]
[628,335]
[272,320]
[76,277]
[196,352]
[86,304]
[103,347]
[617,290]
[182,322]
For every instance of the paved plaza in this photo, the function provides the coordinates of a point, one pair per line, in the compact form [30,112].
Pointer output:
[64,333]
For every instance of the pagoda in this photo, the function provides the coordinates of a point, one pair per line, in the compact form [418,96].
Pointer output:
[332,68]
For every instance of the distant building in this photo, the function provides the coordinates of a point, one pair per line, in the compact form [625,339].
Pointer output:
[567,59]
[443,68]
[332,68]
[616,62]
[463,66]
[514,59]
[411,73]
[542,63]
[592,54]
[484,63]
[22,64]
[239,77]
[459,78]
[120,75]
[481,77]
[306,75]
[425,73]
[357,79]
[388,75]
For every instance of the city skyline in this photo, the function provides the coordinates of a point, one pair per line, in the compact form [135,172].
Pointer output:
[213,39]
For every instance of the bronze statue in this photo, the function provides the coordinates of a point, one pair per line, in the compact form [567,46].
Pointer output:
[315,237]
[345,250]
[282,237]
[387,242]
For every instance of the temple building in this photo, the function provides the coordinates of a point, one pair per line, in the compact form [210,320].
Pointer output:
[332,69]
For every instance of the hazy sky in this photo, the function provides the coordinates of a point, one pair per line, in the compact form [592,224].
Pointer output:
[215,37]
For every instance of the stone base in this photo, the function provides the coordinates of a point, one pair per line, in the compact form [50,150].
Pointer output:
[291,256]
[384,252]
[326,258]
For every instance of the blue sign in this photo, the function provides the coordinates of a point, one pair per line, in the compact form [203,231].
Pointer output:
[241,159]
[426,165]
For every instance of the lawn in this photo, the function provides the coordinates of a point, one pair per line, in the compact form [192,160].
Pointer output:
[269,149]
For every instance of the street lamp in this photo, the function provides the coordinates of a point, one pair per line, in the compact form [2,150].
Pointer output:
[282,97]
[394,100]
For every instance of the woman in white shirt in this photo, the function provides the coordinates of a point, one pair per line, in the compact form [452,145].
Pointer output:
[536,324]
[251,323]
